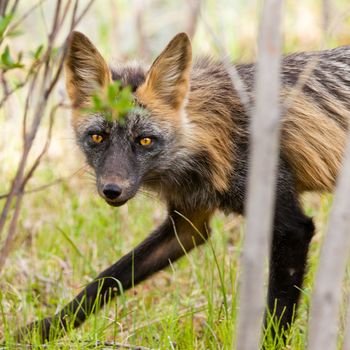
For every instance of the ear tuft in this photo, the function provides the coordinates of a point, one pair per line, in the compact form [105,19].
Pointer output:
[168,79]
[86,70]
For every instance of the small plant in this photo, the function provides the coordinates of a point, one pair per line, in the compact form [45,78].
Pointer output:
[114,102]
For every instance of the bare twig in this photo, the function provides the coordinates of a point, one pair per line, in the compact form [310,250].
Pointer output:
[236,80]
[44,149]
[3,6]
[65,12]
[265,132]
[9,92]
[12,27]
[47,185]
[14,6]
[39,188]
[6,248]
[77,19]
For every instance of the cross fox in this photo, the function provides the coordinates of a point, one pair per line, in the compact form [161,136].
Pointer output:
[188,141]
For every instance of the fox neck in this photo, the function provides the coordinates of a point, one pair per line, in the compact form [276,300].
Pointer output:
[213,132]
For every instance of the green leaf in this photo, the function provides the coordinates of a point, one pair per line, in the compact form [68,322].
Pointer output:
[111,93]
[98,104]
[114,103]
[6,58]
[7,62]
[37,53]
[4,23]
[15,33]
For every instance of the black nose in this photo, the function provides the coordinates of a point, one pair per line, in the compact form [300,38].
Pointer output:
[112,191]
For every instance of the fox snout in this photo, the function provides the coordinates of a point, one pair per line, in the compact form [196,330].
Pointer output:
[111,191]
[115,192]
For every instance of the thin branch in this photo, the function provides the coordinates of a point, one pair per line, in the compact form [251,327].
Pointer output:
[14,6]
[7,93]
[236,80]
[3,7]
[76,21]
[47,185]
[26,108]
[55,21]
[65,12]
[44,149]
[39,188]
[74,14]
[6,248]
[24,16]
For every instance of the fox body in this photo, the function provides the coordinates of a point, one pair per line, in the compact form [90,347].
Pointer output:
[188,140]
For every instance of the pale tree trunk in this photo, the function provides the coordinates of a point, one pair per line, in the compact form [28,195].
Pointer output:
[324,316]
[326,15]
[265,130]
[346,344]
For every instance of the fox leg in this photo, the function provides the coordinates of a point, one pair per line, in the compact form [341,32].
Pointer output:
[177,235]
[291,237]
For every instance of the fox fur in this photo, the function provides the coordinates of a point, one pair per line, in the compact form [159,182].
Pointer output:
[197,160]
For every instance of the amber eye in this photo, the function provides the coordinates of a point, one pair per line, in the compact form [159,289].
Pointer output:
[96,138]
[145,141]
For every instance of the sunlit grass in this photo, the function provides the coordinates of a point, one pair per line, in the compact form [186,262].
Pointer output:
[190,305]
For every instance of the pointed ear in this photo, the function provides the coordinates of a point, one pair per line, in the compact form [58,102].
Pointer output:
[168,79]
[86,70]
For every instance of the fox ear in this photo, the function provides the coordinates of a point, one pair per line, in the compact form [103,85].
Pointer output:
[86,70]
[169,76]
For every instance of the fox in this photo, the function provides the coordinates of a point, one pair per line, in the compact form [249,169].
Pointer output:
[188,141]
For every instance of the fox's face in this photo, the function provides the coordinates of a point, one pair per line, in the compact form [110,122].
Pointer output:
[138,151]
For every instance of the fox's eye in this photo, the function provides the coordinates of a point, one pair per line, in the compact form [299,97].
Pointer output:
[145,141]
[96,138]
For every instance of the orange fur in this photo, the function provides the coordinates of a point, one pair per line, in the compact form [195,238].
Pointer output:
[86,71]
[313,143]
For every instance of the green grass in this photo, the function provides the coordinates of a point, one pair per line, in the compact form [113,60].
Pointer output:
[73,235]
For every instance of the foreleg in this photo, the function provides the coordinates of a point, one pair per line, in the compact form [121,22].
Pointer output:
[167,243]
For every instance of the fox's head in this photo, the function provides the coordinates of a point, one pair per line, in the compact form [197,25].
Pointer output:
[138,151]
